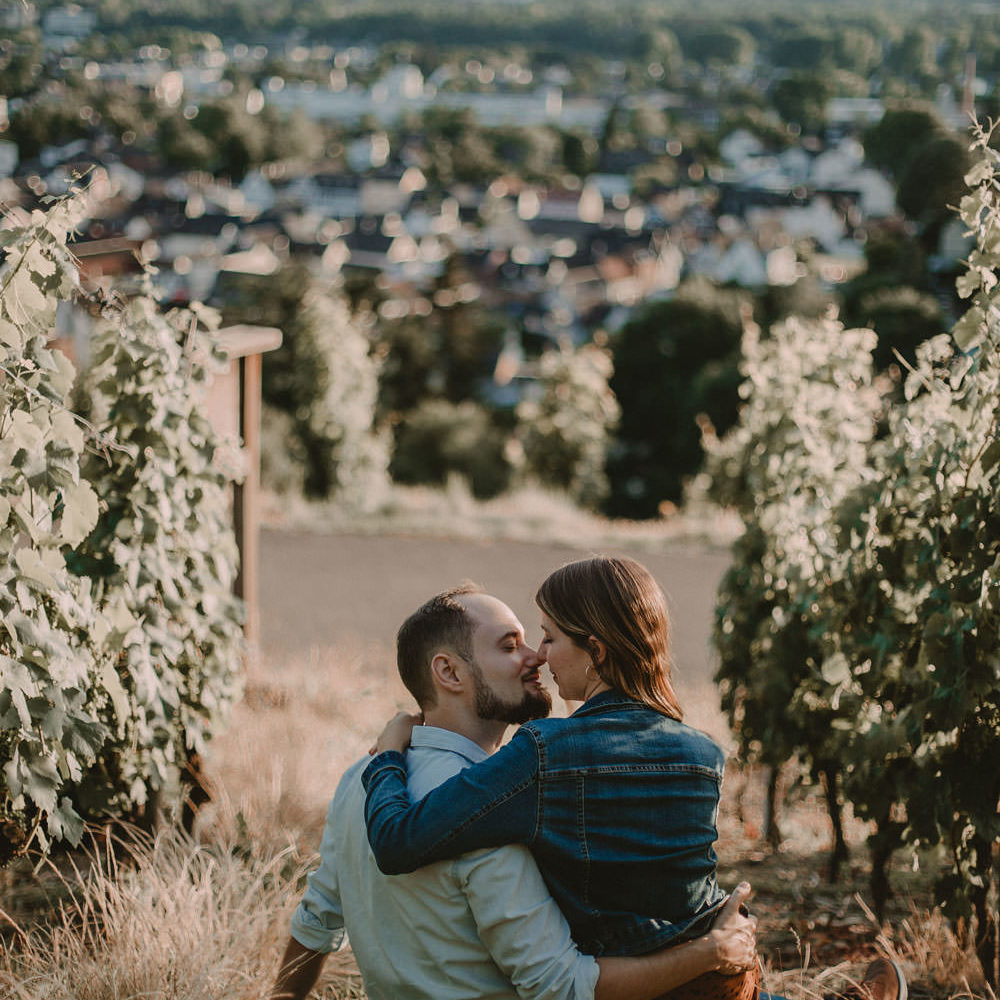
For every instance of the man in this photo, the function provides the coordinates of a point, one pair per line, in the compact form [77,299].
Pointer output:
[484,925]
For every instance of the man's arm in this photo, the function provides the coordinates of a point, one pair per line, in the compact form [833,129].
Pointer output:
[729,947]
[528,938]
[300,968]
[488,804]
[317,926]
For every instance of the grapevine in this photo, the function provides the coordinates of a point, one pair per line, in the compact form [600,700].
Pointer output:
[120,639]
[51,692]
[866,592]
[162,557]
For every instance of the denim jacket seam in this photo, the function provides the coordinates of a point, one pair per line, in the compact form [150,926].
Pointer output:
[539,784]
[479,814]
[495,803]
[581,820]
[571,772]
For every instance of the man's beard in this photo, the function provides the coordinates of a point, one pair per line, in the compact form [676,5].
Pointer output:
[534,704]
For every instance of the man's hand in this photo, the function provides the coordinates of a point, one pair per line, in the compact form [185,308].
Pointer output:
[396,735]
[734,934]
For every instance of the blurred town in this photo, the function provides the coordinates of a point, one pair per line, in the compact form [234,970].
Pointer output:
[487,204]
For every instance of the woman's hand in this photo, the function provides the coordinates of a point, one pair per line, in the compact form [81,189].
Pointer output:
[396,735]
[734,934]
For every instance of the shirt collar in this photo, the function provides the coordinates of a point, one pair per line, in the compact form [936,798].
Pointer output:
[446,739]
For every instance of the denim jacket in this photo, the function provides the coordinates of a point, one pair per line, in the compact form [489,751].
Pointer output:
[618,804]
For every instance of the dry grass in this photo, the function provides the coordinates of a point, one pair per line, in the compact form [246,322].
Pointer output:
[525,514]
[299,726]
[174,919]
[206,919]
[923,945]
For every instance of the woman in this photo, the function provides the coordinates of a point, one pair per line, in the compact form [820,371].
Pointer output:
[618,803]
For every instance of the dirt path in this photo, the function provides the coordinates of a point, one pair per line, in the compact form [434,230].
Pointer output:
[324,590]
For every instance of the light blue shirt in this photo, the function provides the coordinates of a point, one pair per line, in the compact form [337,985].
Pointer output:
[479,927]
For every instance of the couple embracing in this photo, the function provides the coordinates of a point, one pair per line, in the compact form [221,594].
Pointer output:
[574,862]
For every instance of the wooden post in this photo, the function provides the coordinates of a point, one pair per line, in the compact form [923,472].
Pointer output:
[234,408]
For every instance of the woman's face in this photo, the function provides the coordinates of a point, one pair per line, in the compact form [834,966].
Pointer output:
[567,662]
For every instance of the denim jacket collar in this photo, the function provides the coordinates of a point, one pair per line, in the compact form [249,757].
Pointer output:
[605,701]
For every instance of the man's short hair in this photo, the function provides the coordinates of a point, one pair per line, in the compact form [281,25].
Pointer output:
[440,623]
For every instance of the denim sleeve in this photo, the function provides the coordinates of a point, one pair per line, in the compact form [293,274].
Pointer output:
[523,929]
[488,804]
[318,922]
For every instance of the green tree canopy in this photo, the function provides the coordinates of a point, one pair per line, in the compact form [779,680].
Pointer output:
[931,182]
[674,360]
[890,143]
[713,43]
[902,318]
[802,98]
[565,432]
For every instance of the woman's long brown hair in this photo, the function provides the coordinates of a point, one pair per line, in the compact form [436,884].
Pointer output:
[618,602]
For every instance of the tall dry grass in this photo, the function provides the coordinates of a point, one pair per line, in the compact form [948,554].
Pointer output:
[176,918]
[171,919]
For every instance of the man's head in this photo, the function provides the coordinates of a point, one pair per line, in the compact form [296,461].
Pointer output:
[467,644]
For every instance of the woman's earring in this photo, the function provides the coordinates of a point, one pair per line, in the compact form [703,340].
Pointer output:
[590,666]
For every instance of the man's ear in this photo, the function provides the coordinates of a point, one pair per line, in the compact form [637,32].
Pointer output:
[597,649]
[445,673]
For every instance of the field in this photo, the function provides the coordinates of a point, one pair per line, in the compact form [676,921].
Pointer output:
[184,919]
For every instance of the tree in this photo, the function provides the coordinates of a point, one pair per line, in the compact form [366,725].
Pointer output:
[890,143]
[324,376]
[914,55]
[20,66]
[903,318]
[410,365]
[45,121]
[448,354]
[239,139]
[930,183]
[579,153]
[731,46]
[566,431]
[927,162]
[857,49]
[348,456]
[438,440]
[802,98]
[804,48]
[184,147]
[806,299]
[674,359]
[661,45]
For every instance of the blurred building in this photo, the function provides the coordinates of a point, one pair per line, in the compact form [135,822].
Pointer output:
[63,27]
